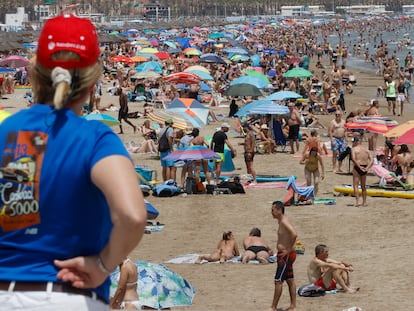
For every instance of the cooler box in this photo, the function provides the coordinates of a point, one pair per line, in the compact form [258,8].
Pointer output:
[146,173]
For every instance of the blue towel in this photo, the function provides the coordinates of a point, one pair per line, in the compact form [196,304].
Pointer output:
[306,192]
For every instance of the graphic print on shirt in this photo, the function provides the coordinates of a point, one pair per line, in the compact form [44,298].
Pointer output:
[20,168]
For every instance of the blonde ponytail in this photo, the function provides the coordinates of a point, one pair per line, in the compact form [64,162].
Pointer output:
[62,81]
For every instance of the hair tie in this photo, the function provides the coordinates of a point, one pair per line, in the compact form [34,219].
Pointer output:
[59,75]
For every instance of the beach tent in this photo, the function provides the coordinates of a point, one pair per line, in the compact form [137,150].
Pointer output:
[191,109]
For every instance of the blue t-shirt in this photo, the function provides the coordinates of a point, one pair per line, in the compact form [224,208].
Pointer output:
[50,209]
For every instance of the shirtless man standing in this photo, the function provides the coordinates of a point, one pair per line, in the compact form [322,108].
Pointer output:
[294,125]
[249,148]
[226,249]
[256,247]
[286,255]
[337,135]
[326,272]
[362,159]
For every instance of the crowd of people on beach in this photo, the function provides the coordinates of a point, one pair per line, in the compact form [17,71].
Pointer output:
[279,50]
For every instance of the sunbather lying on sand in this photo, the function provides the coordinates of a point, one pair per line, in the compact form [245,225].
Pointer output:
[226,249]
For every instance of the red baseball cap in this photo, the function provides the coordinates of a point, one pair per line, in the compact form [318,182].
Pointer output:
[68,33]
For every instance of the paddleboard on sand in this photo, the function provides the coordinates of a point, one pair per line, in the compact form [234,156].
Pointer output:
[377,192]
[259,178]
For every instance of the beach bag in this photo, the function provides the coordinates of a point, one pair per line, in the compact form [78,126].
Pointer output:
[163,144]
[190,186]
[233,186]
[311,290]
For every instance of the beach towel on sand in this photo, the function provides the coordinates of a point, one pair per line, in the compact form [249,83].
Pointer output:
[191,258]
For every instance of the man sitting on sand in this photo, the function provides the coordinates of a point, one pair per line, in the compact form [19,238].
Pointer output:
[326,272]
[226,249]
[256,247]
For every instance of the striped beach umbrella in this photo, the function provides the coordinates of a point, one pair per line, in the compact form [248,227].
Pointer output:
[380,125]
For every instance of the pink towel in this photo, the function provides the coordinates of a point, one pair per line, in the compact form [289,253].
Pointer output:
[381,171]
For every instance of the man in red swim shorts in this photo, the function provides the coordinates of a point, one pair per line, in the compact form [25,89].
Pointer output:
[286,255]
[326,272]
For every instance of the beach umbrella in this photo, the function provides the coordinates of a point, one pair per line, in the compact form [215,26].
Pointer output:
[14,61]
[202,74]
[407,138]
[380,125]
[255,73]
[283,95]
[204,87]
[138,59]
[269,108]
[183,77]
[243,111]
[256,81]
[149,50]
[147,74]
[239,58]
[298,73]
[151,65]
[170,44]
[3,115]
[191,109]
[216,35]
[104,118]
[158,286]
[235,50]
[120,59]
[192,52]
[242,89]
[192,153]
[400,129]
[197,68]
[180,121]
[162,55]
[211,58]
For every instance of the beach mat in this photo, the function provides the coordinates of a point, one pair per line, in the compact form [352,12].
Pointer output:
[269,185]
[326,201]
[191,258]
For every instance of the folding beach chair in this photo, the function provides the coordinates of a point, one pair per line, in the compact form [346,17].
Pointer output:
[291,188]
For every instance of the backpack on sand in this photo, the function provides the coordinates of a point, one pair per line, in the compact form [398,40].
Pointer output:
[311,290]
[163,144]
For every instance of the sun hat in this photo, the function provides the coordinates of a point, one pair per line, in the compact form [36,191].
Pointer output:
[188,130]
[264,127]
[68,33]
[225,124]
[169,121]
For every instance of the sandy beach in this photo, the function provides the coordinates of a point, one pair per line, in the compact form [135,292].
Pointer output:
[375,239]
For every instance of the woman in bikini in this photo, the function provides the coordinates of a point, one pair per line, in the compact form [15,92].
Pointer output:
[226,249]
[256,247]
[312,161]
[126,295]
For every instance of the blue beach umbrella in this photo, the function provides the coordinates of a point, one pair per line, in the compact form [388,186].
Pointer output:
[243,111]
[283,95]
[274,109]
[256,81]
[148,66]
